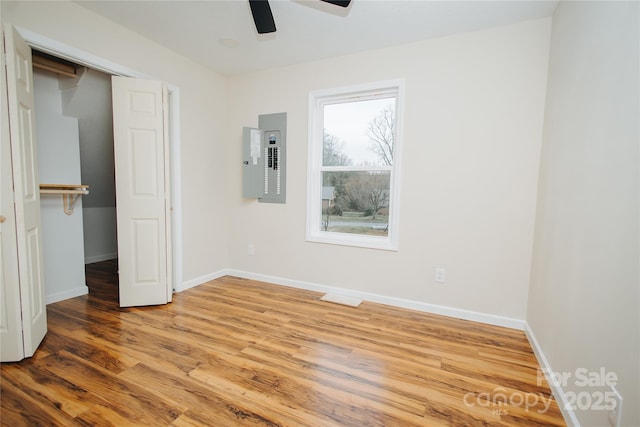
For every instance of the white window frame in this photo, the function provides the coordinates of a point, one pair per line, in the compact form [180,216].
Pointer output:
[317,100]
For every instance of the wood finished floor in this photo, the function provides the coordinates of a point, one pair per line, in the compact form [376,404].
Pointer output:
[236,352]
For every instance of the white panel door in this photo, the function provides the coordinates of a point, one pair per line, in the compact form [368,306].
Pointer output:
[26,191]
[11,345]
[141,158]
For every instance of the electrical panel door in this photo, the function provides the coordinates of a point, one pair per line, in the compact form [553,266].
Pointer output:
[264,159]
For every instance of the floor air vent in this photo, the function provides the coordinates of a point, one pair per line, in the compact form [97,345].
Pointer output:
[342,299]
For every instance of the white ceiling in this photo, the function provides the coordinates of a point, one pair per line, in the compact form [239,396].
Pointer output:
[306,29]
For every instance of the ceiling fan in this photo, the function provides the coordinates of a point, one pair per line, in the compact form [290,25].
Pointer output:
[263,17]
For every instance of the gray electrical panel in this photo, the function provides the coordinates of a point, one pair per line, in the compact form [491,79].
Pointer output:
[264,170]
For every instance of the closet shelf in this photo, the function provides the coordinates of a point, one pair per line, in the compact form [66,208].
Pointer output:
[70,193]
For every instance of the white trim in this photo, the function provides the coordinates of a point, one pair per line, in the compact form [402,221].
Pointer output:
[204,279]
[71,293]
[176,174]
[356,168]
[458,313]
[381,87]
[100,258]
[556,388]
[355,240]
[79,56]
[318,98]
[82,57]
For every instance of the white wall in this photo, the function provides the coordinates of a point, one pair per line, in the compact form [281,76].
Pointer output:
[89,99]
[584,302]
[100,230]
[472,132]
[203,105]
[58,163]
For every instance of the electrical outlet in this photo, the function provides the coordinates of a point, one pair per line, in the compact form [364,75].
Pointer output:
[251,250]
[615,414]
[440,275]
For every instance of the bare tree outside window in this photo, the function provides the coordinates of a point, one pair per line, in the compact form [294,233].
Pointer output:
[381,134]
[332,151]
[369,192]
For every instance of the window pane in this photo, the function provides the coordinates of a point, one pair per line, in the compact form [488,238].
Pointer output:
[359,133]
[356,202]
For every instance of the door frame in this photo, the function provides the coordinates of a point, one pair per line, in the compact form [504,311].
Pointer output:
[82,57]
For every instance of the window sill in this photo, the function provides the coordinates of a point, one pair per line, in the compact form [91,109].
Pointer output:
[354,240]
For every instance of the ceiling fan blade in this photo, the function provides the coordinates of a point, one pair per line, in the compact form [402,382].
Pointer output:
[341,3]
[262,16]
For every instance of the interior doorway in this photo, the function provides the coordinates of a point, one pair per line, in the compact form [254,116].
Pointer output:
[93,62]
[75,146]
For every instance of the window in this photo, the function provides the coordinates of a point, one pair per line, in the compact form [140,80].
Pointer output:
[354,157]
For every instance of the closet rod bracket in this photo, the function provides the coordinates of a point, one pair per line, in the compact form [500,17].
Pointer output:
[70,193]
[68,200]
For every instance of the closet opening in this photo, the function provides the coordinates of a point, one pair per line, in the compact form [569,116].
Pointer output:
[72,69]
[74,130]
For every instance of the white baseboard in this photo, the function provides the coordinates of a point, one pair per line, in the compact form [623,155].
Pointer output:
[556,388]
[71,293]
[100,258]
[202,279]
[383,299]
